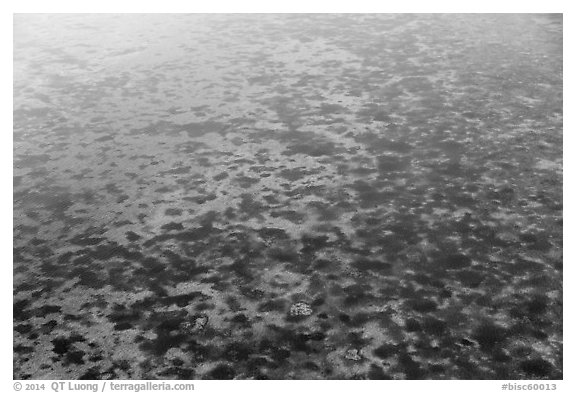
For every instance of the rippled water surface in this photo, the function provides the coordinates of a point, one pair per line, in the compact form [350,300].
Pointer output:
[288,196]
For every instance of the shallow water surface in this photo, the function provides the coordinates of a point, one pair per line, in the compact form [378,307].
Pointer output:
[288,196]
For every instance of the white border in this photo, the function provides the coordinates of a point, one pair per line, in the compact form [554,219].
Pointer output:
[291,6]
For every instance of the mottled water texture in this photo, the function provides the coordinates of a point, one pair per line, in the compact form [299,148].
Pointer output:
[288,196]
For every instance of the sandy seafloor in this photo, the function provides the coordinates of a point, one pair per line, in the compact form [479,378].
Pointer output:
[288,197]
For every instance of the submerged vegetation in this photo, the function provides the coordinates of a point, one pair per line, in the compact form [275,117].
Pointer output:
[288,196]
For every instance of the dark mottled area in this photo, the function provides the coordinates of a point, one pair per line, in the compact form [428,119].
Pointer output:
[288,196]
